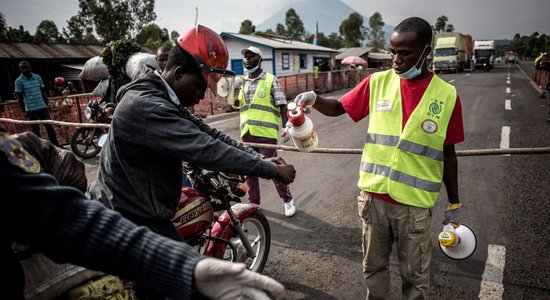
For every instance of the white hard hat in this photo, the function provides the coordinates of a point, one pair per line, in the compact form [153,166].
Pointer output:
[253,50]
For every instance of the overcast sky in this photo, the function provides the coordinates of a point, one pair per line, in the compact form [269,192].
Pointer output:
[483,19]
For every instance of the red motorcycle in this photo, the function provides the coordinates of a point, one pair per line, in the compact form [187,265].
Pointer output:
[85,141]
[208,221]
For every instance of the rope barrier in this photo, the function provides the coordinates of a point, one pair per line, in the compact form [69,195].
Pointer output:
[474,152]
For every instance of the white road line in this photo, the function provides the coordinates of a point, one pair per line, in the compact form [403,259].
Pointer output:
[467,74]
[452,80]
[508,81]
[505,138]
[508,90]
[508,104]
[491,280]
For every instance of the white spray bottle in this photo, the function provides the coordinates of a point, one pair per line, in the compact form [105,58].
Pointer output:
[300,128]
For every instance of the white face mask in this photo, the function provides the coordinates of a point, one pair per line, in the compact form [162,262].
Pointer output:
[248,71]
[414,71]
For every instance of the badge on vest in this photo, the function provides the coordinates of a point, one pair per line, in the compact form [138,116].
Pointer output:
[18,156]
[383,105]
[261,94]
[429,126]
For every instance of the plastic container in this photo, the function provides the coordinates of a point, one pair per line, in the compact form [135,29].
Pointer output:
[301,129]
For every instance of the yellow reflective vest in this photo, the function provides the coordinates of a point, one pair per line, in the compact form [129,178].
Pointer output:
[260,117]
[406,163]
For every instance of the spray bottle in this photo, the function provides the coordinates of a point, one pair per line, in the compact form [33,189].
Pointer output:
[300,128]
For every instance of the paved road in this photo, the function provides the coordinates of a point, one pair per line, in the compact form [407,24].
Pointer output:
[317,253]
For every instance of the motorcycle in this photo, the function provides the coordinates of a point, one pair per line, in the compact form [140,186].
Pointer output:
[85,142]
[208,221]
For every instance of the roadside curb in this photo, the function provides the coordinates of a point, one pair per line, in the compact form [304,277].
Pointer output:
[220,117]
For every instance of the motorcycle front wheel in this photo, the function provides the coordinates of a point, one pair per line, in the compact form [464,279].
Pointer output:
[84,142]
[256,228]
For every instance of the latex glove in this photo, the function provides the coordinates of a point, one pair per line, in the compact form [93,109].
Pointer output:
[220,280]
[238,82]
[285,139]
[452,214]
[307,97]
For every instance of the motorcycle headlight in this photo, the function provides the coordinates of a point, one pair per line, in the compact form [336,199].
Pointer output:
[88,113]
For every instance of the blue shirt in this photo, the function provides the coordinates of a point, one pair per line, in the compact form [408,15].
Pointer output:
[31,88]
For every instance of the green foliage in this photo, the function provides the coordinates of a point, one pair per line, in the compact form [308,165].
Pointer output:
[352,30]
[3,28]
[281,30]
[116,53]
[152,36]
[294,25]
[247,27]
[375,34]
[529,47]
[440,24]
[47,32]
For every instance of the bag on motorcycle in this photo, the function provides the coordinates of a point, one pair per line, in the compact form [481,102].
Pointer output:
[94,70]
[137,60]
[104,287]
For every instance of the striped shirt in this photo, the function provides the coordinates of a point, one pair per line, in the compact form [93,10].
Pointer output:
[250,84]
[31,88]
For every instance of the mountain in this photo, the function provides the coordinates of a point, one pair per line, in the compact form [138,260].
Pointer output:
[329,14]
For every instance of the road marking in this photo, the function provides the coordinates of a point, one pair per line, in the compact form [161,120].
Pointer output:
[467,74]
[508,90]
[508,81]
[452,80]
[505,138]
[491,280]
[508,104]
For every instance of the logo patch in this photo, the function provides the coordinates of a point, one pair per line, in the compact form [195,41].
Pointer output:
[429,126]
[383,105]
[17,155]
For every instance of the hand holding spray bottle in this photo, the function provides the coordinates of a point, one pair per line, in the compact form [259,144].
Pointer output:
[300,128]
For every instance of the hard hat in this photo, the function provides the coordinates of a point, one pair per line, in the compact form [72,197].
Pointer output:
[459,244]
[59,81]
[211,55]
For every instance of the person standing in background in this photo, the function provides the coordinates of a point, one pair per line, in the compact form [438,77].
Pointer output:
[544,64]
[33,100]
[262,106]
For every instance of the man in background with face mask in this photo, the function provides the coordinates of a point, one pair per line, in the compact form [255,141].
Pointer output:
[262,106]
[415,118]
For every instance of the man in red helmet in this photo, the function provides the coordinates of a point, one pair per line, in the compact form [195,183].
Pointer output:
[140,169]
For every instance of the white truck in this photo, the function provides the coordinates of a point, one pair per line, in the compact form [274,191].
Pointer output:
[484,53]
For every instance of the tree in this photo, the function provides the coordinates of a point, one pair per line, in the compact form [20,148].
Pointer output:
[294,25]
[440,24]
[352,30]
[174,35]
[18,35]
[116,19]
[152,36]
[3,28]
[335,41]
[449,28]
[47,32]
[247,27]
[80,30]
[375,34]
[281,30]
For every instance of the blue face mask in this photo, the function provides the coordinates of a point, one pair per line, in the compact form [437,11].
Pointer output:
[414,71]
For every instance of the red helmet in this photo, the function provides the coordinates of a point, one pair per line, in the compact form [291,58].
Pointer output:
[59,81]
[211,54]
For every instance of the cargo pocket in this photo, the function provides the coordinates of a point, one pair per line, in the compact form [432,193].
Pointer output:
[363,206]
[421,219]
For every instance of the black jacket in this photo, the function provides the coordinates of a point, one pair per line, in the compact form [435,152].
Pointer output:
[140,169]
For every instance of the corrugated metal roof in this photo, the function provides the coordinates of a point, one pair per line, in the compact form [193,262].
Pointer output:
[379,55]
[355,51]
[279,44]
[47,51]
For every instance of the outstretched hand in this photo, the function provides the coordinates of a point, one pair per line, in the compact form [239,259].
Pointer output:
[219,280]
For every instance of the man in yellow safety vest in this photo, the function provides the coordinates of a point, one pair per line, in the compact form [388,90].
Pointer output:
[415,118]
[262,106]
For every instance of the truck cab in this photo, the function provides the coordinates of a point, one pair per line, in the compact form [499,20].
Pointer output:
[484,52]
[449,52]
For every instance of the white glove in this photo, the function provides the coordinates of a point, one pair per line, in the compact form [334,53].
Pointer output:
[238,82]
[220,280]
[307,97]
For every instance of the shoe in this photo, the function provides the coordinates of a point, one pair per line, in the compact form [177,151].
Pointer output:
[290,209]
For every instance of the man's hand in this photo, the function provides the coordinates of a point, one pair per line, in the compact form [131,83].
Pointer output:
[285,173]
[277,160]
[219,280]
[238,82]
[306,97]
[452,214]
